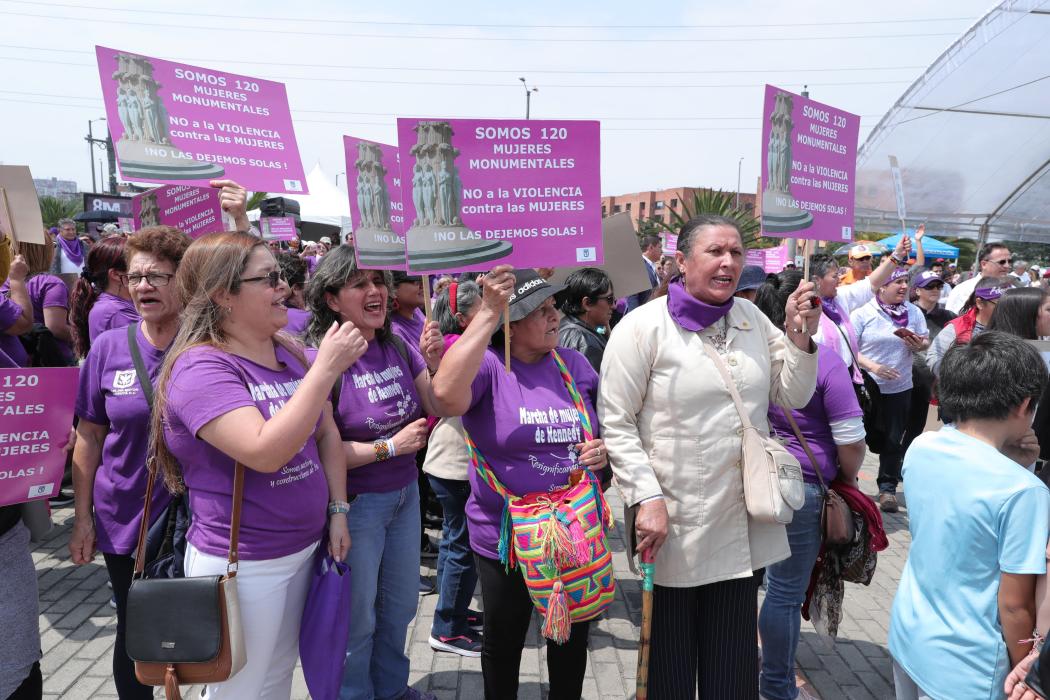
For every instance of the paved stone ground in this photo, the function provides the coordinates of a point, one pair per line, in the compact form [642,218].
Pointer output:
[77,629]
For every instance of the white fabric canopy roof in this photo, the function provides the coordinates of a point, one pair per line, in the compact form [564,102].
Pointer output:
[326,203]
[972,136]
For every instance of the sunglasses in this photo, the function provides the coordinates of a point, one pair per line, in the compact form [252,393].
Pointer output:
[608,297]
[1002,263]
[273,279]
[934,287]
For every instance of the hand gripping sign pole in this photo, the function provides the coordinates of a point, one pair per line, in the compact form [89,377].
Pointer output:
[647,567]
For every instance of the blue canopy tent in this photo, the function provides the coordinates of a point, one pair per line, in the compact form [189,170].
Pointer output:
[931,247]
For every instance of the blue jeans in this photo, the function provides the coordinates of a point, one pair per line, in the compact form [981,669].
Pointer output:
[456,575]
[384,564]
[781,616]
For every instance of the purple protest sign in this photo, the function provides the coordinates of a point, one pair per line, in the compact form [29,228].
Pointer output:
[36,415]
[373,183]
[278,228]
[670,243]
[482,192]
[172,122]
[193,210]
[769,259]
[809,166]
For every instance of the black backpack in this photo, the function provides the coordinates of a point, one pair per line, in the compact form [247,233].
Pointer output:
[42,347]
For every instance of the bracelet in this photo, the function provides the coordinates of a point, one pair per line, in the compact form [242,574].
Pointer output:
[336,507]
[896,261]
[384,450]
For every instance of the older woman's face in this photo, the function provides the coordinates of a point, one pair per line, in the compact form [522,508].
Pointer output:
[537,332]
[828,285]
[895,291]
[712,269]
[257,304]
[362,300]
[156,304]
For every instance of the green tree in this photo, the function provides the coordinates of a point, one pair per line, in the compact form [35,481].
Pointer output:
[52,209]
[649,227]
[255,199]
[708,201]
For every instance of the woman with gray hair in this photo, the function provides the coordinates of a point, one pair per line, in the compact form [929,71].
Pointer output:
[674,439]
[455,627]
[379,405]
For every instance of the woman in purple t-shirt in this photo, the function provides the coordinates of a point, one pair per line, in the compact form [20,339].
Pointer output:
[833,426]
[100,300]
[49,297]
[109,460]
[526,425]
[380,401]
[16,311]
[235,389]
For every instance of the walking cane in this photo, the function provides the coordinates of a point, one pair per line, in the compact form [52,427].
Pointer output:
[647,566]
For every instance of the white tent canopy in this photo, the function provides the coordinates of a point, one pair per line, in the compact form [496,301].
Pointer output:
[972,136]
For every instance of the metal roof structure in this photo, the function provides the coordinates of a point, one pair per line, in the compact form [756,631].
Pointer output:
[972,136]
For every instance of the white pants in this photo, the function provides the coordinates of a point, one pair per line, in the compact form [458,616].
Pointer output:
[905,687]
[271,593]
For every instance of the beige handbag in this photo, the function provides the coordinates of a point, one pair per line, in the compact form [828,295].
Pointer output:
[773,484]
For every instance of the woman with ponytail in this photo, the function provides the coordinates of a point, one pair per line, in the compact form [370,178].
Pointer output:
[100,300]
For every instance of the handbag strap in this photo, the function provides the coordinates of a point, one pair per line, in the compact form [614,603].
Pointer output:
[140,367]
[745,421]
[805,446]
[481,465]
[235,522]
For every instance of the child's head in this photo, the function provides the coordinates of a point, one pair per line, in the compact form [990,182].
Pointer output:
[991,378]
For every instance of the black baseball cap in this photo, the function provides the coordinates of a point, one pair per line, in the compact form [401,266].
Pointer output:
[530,290]
[400,277]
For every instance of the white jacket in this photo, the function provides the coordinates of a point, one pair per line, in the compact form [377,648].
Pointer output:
[672,430]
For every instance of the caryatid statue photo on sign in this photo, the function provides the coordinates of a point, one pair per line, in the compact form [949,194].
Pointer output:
[145,148]
[780,211]
[377,241]
[438,236]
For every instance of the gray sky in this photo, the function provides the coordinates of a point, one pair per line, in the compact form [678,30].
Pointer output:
[676,85]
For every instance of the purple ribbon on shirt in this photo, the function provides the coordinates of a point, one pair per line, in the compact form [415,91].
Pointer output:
[689,312]
[73,249]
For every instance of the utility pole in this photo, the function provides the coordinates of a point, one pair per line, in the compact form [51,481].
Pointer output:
[112,155]
[739,163]
[92,142]
[528,95]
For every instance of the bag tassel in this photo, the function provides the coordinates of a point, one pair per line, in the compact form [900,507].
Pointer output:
[171,684]
[556,625]
[604,514]
[505,549]
[559,550]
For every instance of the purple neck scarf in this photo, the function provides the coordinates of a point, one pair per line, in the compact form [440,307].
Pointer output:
[73,249]
[830,308]
[898,313]
[689,312]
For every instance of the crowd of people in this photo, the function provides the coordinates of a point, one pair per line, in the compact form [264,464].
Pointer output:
[356,422]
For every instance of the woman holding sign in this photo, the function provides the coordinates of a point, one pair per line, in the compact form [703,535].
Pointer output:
[528,428]
[264,410]
[379,404]
[113,405]
[674,436]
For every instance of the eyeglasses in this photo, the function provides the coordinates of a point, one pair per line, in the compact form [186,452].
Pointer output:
[155,279]
[272,278]
[608,297]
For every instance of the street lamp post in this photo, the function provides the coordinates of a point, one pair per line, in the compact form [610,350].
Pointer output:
[739,163]
[337,177]
[528,95]
[91,150]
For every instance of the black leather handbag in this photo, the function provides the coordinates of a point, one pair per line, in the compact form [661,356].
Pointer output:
[186,630]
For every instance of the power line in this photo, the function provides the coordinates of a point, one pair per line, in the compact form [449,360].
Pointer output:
[354,35]
[514,71]
[500,26]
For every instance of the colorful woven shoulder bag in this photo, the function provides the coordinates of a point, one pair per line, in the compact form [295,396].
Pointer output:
[557,538]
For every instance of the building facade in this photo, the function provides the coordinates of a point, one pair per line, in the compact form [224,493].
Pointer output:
[53,187]
[657,204]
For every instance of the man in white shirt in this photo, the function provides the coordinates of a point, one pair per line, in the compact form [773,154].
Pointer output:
[994,261]
[1020,273]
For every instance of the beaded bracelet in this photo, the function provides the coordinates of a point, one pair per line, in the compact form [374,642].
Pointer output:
[336,507]
[384,450]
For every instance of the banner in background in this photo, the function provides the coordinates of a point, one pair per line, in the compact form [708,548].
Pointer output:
[373,183]
[483,192]
[19,205]
[193,210]
[769,259]
[36,415]
[278,228]
[172,122]
[809,164]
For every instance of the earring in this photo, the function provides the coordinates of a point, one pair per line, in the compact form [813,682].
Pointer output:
[229,310]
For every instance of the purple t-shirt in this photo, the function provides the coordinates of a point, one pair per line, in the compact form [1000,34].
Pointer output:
[11,346]
[409,330]
[833,400]
[47,291]
[110,311]
[526,426]
[297,321]
[377,398]
[283,512]
[312,261]
[110,394]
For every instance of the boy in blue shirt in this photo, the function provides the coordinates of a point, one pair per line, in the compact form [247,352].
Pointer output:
[979,524]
